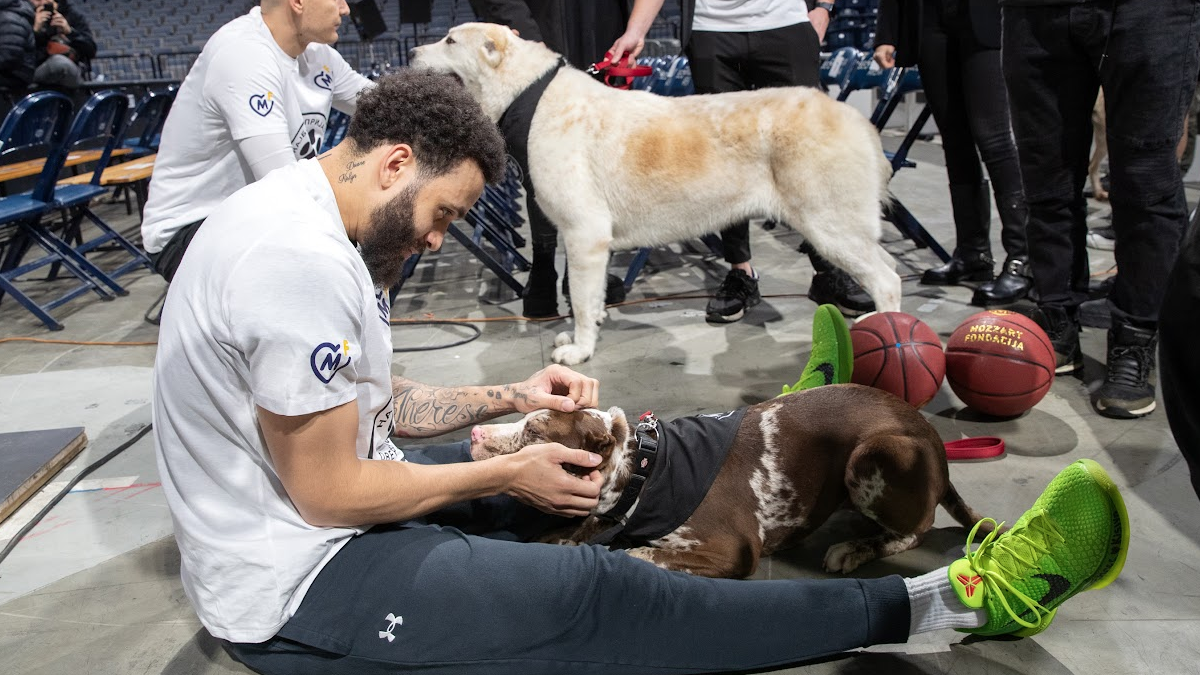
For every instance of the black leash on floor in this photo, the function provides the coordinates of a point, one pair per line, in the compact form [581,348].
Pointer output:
[16,539]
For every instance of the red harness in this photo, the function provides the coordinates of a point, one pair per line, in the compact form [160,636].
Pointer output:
[617,76]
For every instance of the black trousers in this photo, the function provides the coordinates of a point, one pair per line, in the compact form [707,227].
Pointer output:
[1177,352]
[1145,54]
[420,597]
[724,62]
[166,261]
[964,86]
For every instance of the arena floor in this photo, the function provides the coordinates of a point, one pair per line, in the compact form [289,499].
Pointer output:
[95,588]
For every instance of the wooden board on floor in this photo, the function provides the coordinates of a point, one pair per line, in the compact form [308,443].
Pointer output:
[30,458]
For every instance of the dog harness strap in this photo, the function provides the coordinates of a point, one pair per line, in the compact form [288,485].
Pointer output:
[982,447]
[514,123]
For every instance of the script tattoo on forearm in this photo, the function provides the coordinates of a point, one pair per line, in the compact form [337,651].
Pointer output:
[421,408]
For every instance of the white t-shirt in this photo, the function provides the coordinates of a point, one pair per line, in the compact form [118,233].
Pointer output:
[242,85]
[748,16]
[273,307]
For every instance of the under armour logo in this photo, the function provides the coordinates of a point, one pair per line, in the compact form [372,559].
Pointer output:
[969,583]
[393,621]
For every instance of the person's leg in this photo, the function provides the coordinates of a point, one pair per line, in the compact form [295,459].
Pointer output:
[1052,86]
[1178,326]
[541,289]
[789,57]
[970,202]
[717,62]
[986,102]
[459,603]
[1153,56]
[430,599]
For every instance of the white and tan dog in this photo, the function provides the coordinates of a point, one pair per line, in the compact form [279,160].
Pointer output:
[626,169]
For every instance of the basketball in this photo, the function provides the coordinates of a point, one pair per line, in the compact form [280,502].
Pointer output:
[898,353]
[1000,363]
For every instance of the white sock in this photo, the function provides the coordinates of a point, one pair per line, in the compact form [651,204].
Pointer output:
[933,605]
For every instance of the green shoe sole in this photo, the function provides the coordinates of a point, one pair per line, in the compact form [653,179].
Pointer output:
[1120,548]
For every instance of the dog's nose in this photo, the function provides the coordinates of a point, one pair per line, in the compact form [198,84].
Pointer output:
[412,53]
[477,434]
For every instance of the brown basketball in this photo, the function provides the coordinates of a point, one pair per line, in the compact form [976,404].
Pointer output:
[899,354]
[1000,363]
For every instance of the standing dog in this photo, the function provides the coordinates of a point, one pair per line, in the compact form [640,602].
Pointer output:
[626,169]
[778,470]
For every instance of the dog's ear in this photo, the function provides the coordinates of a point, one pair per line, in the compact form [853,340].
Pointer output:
[620,425]
[495,47]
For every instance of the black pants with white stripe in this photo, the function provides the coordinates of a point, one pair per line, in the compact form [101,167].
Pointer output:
[430,598]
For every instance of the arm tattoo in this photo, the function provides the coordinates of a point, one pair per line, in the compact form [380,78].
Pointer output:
[424,410]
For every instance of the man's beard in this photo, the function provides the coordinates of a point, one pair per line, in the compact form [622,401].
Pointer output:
[391,237]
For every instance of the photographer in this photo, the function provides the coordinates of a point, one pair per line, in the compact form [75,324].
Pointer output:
[63,46]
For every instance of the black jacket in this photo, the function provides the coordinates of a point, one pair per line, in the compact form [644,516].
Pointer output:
[899,25]
[80,39]
[18,57]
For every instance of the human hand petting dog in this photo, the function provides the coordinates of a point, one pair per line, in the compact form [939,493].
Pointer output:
[556,388]
[539,478]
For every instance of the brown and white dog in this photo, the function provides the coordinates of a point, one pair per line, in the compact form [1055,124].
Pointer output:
[791,462]
[626,169]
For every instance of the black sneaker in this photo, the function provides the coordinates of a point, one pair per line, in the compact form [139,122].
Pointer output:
[1128,389]
[1062,327]
[736,294]
[839,289]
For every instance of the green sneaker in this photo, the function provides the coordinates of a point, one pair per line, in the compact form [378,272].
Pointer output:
[832,358]
[1073,539]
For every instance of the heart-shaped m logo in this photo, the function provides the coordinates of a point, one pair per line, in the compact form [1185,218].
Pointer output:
[262,104]
[326,360]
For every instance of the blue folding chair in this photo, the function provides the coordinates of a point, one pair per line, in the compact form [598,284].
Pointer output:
[98,124]
[833,70]
[148,119]
[902,81]
[335,131]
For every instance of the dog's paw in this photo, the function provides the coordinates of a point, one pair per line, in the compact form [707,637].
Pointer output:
[569,355]
[845,557]
[563,339]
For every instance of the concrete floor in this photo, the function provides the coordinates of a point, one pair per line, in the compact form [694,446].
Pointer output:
[95,588]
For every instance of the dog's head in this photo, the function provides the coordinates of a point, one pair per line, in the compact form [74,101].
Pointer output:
[493,63]
[601,432]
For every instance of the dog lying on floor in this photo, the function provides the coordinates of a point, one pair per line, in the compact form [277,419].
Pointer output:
[626,169]
[712,494]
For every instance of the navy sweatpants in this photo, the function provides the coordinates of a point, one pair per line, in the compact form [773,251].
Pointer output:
[430,598]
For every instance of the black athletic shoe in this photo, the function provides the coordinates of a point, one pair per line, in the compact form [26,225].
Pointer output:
[839,289]
[1062,327]
[735,295]
[1128,389]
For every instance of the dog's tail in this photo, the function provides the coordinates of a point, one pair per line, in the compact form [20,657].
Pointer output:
[965,515]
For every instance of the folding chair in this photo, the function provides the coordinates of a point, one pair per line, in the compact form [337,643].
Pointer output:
[148,119]
[893,84]
[37,125]
[335,131]
[902,81]
[98,123]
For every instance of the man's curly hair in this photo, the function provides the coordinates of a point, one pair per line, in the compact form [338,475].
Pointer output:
[434,115]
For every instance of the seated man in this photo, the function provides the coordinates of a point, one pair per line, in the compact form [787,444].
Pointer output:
[257,98]
[310,543]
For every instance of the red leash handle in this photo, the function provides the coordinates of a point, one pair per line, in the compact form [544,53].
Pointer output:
[610,70]
[981,447]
